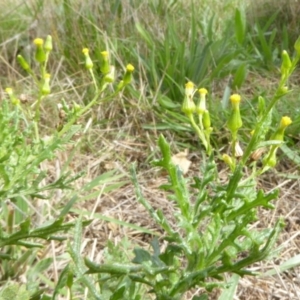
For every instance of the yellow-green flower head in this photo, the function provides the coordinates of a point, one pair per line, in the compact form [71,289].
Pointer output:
[279,134]
[40,55]
[9,91]
[38,42]
[227,159]
[88,62]
[48,44]
[235,99]
[130,68]
[128,74]
[188,106]
[189,89]
[85,51]
[235,122]
[201,107]
[285,122]
[105,66]
[203,91]
[105,54]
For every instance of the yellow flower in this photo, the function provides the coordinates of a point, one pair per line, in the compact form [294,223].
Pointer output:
[85,51]
[189,89]
[130,68]
[203,91]
[104,54]
[9,91]
[128,74]
[188,106]
[48,44]
[235,122]
[40,55]
[88,62]
[201,107]
[105,67]
[285,122]
[235,98]
[38,42]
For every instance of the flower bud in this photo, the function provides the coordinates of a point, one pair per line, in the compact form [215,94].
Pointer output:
[284,123]
[201,107]
[40,55]
[14,100]
[228,160]
[286,63]
[235,122]
[105,67]
[110,77]
[48,44]
[128,75]
[188,106]
[23,63]
[206,119]
[88,62]
[270,160]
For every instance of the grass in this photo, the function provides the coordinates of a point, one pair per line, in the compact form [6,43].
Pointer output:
[168,42]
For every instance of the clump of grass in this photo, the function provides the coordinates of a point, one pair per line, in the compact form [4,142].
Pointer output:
[285,19]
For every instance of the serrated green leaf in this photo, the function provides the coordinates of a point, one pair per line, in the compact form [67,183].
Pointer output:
[15,292]
[141,256]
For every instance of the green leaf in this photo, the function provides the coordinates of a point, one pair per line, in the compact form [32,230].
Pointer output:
[62,280]
[240,26]
[145,35]
[15,292]
[240,76]
[289,264]
[118,294]
[141,256]
[228,293]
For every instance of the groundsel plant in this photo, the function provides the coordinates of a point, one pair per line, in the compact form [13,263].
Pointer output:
[24,149]
[213,233]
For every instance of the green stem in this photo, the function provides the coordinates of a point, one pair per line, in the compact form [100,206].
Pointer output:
[199,133]
[94,80]
[277,96]
[83,111]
